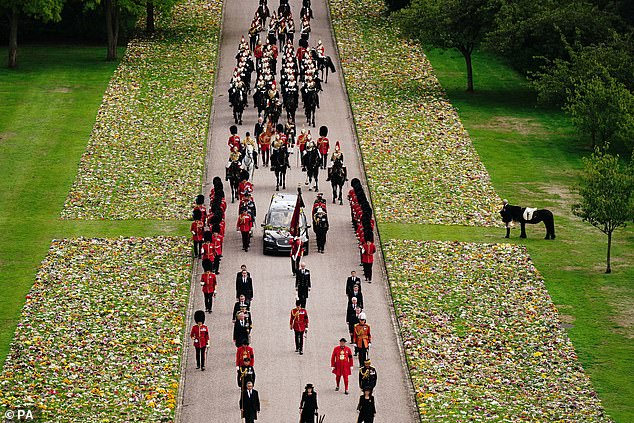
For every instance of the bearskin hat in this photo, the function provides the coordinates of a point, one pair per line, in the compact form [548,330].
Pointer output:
[197,214]
[215,228]
[207,265]
[233,129]
[368,235]
[207,236]
[200,199]
[244,175]
[279,128]
[216,181]
[303,43]
[323,131]
[199,316]
[354,182]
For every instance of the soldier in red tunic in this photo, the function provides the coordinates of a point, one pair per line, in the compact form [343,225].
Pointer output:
[234,139]
[207,250]
[197,229]
[200,335]
[299,324]
[209,283]
[323,145]
[243,352]
[200,204]
[296,253]
[341,362]
[216,242]
[244,225]
[367,258]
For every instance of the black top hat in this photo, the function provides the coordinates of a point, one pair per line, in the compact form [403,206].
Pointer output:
[309,386]
[199,316]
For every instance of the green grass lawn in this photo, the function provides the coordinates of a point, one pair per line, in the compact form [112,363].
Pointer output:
[47,110]
[533,156]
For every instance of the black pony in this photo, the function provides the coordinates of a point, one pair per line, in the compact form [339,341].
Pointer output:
[517,214]
[233,173]
[311,162]
[279,164]
[238,100]
[310,106]
[338,176]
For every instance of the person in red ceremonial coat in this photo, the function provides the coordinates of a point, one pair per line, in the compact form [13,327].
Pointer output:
[209,283]
[299,324]
[323,145]
[296,253]
[367,258]
[216,242]
[234,139]
[341,363]
[197,229]
[244,225]
[200,204]
[362,338]
[207,249]
[200,335]
[243,352]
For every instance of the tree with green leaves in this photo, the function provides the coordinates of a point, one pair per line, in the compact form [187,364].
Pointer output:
[152,6]
[603,109]
[606,191]
[45,10]
[459,24]
[113,10]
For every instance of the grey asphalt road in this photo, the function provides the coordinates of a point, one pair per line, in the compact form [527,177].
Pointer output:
[212,396]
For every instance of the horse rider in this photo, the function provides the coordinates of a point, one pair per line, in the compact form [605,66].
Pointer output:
[337,154]
[248,141]
[320,49]
[234,156]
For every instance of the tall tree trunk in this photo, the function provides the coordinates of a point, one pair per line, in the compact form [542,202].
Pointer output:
[13,39]
[109,11]
[609,268]
[467,59]
[149,20]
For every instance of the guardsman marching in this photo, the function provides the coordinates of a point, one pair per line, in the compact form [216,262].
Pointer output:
[200,335]
[243,352]
[299,324]
[234,139]
[362,338]
[367,258]
[367,376]
[244,225]
[197,229]
[323,145]
[208,282]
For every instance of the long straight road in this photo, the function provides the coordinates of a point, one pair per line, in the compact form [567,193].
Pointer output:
[212,396]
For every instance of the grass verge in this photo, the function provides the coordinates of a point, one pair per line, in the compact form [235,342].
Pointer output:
[533,156]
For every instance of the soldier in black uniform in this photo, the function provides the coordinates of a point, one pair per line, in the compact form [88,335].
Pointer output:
[302,283]
[367,376]
[246,374]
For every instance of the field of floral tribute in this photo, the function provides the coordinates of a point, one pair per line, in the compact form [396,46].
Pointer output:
[100,334]
[420,162]
[145,155]
[482,336]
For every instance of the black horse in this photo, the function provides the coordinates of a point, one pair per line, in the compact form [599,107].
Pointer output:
[259,100]
[310,106]
[291,98]
[338,176]
[273,111]
[233,174]
[238,100]
[324,65]
[311,162]
[517,214]
[279,164]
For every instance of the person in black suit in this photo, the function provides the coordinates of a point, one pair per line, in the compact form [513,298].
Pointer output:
[353,280]
[249,403]
[241,329]
[239,274]
[352,315]
[242,302]
[302,284]
[244,286]
[356,293]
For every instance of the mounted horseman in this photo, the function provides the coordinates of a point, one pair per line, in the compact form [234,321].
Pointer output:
[524,215]
[337,174]
[279,162]
[311,163]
